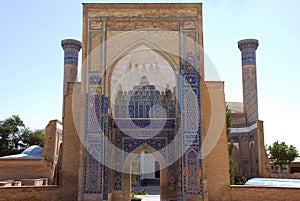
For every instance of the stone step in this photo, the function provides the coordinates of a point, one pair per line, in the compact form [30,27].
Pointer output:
[151,190]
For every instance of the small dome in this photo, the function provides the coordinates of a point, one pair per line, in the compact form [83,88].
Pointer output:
[273,182]
[34,151]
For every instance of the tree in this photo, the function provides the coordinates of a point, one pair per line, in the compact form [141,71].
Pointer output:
[30,138]
[282,154]
[228,123]
[15,137]
[135,172]
[232,170]
[10,135]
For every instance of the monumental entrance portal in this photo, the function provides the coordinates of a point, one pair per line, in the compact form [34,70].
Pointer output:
[143,95]
[142,90]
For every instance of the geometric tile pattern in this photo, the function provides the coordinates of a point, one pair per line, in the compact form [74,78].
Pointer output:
[92,175]
[129,144]
[94,80]
[71,49]
[247,166]
[191,111]
[248,58]
[71,56]
[97,106]
[191,139]
[250,93]
[248,50]
[143,102]
[193,179]
[171,177]
[93,169]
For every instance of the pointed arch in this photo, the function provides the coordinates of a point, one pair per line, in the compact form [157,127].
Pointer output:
[166,56]
[147,148]
[192,172]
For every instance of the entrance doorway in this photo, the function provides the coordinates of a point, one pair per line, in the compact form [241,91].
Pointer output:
[145,175]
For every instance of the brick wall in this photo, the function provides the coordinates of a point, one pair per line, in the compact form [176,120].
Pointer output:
[70,150]
[214,141]
[43,193]
[286,176]
[238,119]
[256,193]
[23,168]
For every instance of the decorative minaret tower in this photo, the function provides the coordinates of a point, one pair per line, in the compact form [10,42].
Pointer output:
[248,48]
[71,48]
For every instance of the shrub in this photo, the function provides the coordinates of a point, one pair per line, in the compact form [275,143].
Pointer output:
[241,180]
[141,193]
[135,199]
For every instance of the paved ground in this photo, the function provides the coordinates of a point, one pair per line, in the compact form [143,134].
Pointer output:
[149,197]
[151,190]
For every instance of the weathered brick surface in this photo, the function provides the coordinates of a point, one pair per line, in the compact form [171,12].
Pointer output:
[70,150]
[23,168]
[264,165]
[214,141]
[42,193]
[255,193]
[238,119]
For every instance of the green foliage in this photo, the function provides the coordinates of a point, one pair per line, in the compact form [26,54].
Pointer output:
[230,144]
[135,199]
[15,137]
[140,193]
[10,135]
[228,121]
[240,180]
[135,172]
[282,154]
[233,171]
[30,138]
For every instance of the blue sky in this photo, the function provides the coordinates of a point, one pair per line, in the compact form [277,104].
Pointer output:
[32,58]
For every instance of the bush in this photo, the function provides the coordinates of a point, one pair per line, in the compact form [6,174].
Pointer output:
[241,180]
[135,199]
[140,193]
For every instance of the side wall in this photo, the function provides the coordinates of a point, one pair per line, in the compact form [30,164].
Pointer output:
[214,142]
[49,193]
[264,165]
[22,168]
[51,149]
[34,168]
[250,153]
[70,151]
[256,193]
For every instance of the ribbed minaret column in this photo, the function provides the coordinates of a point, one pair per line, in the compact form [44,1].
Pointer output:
[248,48]
[71,49]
